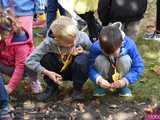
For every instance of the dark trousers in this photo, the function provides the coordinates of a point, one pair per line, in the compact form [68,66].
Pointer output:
[93,26]
[77,71]
[52,7]
[4,99]
[158,17]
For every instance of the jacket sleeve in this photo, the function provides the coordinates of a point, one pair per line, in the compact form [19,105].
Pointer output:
[85,42]
[39,6]
[137,67]
[4,4]
[94,52]
[21,53]
[33,60]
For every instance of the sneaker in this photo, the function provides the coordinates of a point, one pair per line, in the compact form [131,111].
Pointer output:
[4,111]
[125,92]
[6,117]
[48,93]
[77,95]
[4,114]
[99,92]
[36,87]
[152,36]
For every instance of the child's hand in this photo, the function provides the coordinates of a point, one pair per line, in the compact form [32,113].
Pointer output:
[77,51]
[119,83]
[103,83]
[54,76]
[9,90]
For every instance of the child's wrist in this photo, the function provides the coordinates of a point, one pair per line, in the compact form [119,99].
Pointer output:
[126,81]
[98,80]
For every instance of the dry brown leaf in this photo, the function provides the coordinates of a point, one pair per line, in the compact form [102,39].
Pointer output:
[81,107]
[143,80]
[113,106]
[109,118]
[26,116]
[67,100]
[150,108]
[27,87]
[28,104]
[156,69]
[150,28]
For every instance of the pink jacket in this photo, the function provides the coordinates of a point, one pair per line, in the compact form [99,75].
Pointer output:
[13,52]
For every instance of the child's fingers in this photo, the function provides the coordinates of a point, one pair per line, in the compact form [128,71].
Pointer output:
[58,75]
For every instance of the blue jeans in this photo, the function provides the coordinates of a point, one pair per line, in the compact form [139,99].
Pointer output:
[52,7]
[4,99]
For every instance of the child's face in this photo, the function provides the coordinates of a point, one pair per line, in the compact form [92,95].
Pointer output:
[67,42]
[115,54]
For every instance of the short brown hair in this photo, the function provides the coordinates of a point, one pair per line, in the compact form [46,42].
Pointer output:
[110,38]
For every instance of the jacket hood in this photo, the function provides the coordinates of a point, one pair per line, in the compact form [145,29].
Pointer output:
[17,39]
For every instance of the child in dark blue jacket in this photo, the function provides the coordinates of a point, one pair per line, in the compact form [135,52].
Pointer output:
[114,61]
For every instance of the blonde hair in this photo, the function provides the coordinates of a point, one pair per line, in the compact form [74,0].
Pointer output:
[8,22]
[64,26]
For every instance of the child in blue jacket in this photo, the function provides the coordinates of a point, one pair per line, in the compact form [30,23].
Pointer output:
[114,61]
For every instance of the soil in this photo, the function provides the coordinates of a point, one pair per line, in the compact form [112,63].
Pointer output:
[24,107]
[65,108]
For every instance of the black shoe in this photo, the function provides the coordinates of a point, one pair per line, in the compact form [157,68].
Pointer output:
[49,92]
[77,95]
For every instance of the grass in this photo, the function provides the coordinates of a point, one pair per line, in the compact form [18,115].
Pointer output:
[150,51]
[142,91]
[151,56]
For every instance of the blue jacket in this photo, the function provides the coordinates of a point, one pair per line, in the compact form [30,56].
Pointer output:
[128,48]
[24,7]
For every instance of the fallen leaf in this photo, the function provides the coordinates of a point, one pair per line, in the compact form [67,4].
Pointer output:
[150,28]
[156,69]
[109,118]
[87,116]
[150,108]
[26,116]
[113,106]
[143,80]
[67,100]
[81,107]
[28,104]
